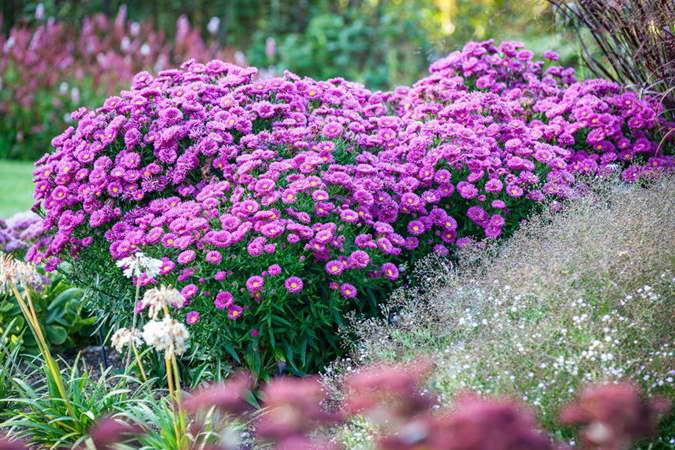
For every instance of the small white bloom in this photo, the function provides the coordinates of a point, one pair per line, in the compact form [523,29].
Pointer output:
[138,264]
[167,335]
[13,271]
[156,299]
[213,25]
[134,28]
[125,336]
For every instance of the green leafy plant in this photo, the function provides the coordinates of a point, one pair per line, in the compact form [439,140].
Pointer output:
[59,309]
[8,358]
[41,415]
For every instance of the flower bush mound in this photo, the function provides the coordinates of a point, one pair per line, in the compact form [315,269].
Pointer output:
[278,205]
[49,70]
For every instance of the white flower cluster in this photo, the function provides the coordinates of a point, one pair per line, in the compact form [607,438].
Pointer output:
[139,264]
[156,299]
[125,336]
[166,335]
[17,272]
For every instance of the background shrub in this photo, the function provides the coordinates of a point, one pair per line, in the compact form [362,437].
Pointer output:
[52,68]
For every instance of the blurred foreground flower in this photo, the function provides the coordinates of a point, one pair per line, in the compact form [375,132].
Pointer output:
[612,416]
[228,397]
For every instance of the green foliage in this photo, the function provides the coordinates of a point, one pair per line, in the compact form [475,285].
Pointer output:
[8,359]
[40,416]
[61,312]
[156,419]
[27,128]
[378,50]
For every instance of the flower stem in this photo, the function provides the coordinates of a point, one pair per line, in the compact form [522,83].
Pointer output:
[28,310]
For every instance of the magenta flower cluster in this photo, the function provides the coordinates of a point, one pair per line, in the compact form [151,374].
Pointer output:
[256,192]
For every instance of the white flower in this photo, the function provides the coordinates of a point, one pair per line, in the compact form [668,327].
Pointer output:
[125,336]
[138,264]
[156,299]
[213,25]
[17,272]
[167,335]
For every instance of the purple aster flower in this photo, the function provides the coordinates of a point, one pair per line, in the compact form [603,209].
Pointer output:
[349,216]
[359,259]
[334,267]
[514,190]
[415,227]
[234,311]
[441,250]
[493,185]
[389,271]
[255,283]
[186,257]
[192,318]
[293,285]
[348,290]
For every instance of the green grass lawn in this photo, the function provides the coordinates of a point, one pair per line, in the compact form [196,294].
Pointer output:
[16,187]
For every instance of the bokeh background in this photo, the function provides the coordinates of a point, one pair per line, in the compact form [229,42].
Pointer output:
[58,55]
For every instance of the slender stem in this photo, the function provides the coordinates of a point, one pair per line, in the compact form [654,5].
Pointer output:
[133,326]
[169,375]
[26,306]
[138,361]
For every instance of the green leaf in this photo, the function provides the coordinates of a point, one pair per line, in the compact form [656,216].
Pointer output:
[65,296]
[230,349]
[56,334]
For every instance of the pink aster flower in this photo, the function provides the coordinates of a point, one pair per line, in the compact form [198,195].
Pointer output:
[214,257]
[255,283]
[347,290]
[192,318]
[189,291]
[186,257]
[274,270]
[223,300]
[334,267]
[293,285]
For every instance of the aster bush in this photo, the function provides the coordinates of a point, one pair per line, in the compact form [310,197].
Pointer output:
[278,205]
